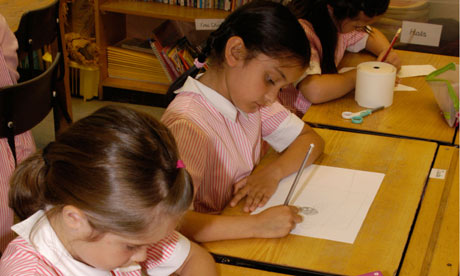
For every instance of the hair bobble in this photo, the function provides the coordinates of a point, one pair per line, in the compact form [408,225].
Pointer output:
[180,164]
[198,64]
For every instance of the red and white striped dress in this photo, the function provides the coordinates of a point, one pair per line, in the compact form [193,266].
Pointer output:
[46,255]
[24,142]
[219,144]
[354,41]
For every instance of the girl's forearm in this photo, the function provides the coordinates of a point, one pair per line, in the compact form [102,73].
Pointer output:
[322,88]
[202,227]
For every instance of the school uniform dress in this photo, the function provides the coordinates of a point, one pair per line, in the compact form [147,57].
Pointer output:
[219,144]
[354,41]
[24,142]
[46,255]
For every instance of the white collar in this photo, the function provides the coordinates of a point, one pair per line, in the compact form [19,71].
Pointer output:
[219,102]
[47,243]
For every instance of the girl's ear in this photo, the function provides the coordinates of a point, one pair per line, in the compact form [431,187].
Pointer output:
[75,219]
[235,51]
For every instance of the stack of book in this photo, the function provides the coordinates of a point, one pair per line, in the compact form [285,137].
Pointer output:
[160,59]
[134,59]
[172,49]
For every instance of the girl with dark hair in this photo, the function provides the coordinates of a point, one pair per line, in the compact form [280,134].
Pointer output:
[221,118]
[104,199]
[333,27]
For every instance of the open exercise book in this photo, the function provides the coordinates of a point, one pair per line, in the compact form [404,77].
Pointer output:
[342,198]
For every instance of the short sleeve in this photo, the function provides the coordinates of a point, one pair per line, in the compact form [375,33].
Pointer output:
[314,67]
[20,259]
[192,143]
[167,256]
[356,41]
[280,127]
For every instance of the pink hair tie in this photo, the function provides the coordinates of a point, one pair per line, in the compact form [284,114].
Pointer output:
[198,64]
[180,164]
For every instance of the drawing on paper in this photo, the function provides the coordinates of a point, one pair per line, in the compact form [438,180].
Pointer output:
[340,197]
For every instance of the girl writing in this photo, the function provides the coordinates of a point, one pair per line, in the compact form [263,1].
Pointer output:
[220,119]
[104,199]
[333,27]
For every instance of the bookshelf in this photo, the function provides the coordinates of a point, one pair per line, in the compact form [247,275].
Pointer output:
[117,19]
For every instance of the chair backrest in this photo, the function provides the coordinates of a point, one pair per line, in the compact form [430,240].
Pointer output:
[37,29]
[25,104]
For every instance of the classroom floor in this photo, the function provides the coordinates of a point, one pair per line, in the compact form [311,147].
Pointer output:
[44,132]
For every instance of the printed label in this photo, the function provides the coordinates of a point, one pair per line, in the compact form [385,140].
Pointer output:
[438,173]
[421,33]
[207,24]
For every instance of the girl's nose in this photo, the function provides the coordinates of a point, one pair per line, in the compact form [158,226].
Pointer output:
[140,255]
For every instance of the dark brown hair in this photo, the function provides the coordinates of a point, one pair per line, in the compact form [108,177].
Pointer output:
[265,27]
[117,165]
[316,12]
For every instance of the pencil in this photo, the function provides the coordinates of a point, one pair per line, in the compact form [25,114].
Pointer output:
[299,173]
[391,44]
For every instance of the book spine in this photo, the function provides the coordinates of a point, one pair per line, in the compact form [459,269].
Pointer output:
[156,51]
[170,64]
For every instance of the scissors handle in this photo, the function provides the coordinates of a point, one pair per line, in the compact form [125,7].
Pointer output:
[349,115]
[357,119]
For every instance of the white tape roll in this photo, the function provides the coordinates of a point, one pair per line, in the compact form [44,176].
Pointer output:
[375,82]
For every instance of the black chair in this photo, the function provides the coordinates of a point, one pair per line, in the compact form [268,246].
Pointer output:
[37,29]
[25,104]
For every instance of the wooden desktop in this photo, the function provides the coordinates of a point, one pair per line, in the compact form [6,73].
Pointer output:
[385,231]
[413,114]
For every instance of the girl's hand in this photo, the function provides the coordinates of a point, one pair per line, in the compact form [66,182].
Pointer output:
[257,188]
[276,222]
[392,58]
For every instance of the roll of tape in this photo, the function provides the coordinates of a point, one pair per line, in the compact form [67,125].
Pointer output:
[375,82]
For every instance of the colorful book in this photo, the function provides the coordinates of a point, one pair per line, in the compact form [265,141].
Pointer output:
[158,50]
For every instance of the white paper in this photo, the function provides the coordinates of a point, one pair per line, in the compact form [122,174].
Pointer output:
[341,196]
[402,87]
[345,69]
[407,71]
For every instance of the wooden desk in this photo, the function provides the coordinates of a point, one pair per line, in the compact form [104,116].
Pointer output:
[433,247]
[456,138]
[413,113]
[384,233]
[231,270]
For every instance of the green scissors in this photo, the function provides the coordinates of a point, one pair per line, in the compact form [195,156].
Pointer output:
[357,117]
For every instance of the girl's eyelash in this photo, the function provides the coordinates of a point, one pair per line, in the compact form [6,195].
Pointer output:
[270,80]
[131,247]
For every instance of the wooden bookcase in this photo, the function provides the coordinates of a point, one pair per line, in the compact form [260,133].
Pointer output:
[115,19]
